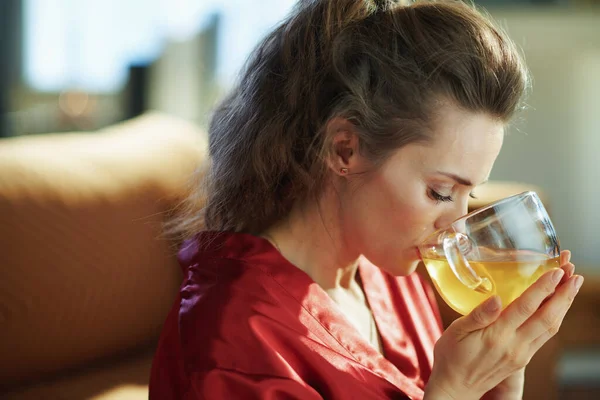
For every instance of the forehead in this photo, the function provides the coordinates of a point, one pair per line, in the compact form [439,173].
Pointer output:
[464,132]
[463,143]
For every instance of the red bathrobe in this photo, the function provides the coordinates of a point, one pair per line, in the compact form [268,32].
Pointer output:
[247,324]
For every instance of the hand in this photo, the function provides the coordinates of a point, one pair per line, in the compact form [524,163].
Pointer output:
[512,387]
[481,350]
[509,389]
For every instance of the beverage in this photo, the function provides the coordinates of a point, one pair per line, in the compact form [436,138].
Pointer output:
[500,249]
[508,275]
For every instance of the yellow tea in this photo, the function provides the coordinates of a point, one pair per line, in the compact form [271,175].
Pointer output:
[508,278]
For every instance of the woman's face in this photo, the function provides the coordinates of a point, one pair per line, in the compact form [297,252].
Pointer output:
[422,187]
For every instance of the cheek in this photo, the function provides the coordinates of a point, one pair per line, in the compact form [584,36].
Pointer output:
[389,220]
[407,223]
[405,208]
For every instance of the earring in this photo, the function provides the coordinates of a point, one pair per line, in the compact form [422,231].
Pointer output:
[344,171]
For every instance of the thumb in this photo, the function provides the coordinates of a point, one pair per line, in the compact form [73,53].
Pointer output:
[482,316]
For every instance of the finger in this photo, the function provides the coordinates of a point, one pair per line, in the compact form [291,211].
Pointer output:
[527,304]
[482,316]
[545,324]
[565,257]
[569,269]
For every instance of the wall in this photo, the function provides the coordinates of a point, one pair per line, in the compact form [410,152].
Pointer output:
[557,144]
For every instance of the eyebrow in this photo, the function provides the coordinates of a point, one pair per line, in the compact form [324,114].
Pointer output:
[460,180]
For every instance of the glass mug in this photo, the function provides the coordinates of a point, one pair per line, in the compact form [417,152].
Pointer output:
[500,249]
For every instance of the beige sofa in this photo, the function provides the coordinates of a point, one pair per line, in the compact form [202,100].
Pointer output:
[86,278]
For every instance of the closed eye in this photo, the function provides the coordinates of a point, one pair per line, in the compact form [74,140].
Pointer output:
[441,198]
[438,197]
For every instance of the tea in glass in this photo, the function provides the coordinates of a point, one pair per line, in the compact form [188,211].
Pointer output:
[500,249]
[508,278]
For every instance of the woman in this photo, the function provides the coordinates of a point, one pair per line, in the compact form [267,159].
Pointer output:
[357,129]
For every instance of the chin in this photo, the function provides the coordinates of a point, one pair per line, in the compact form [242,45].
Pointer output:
[396,262]
[413,266]
[401,267]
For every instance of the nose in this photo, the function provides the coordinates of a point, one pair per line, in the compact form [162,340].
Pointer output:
[451,213]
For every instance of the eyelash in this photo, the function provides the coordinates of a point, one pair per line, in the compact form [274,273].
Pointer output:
[439,198]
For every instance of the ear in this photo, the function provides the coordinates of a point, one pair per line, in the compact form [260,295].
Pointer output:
[344,157]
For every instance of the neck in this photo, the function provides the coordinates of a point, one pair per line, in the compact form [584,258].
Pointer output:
[309,240]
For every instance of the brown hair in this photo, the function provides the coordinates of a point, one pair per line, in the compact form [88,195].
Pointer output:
[379,64]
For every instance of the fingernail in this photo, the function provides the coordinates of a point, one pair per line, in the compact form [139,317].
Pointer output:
[577,283]
[492,305]
[556,275]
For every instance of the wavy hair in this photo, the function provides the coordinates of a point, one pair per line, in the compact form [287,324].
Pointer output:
[382,65]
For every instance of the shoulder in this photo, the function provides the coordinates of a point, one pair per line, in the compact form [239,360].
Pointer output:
[232,312]
[226,274]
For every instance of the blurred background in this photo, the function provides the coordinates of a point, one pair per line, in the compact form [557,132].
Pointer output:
[84,64]
[87,65]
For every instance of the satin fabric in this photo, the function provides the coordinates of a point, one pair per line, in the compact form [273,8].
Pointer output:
[247,324]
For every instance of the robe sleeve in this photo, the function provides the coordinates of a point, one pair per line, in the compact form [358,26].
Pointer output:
[221,383]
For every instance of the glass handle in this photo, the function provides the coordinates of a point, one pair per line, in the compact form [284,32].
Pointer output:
[455,247]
